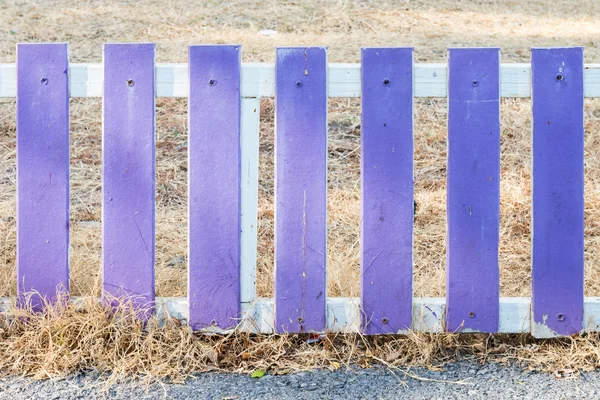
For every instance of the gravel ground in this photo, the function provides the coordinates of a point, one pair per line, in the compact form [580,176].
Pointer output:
[459,380]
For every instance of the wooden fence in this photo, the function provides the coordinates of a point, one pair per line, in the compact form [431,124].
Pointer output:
[224,104]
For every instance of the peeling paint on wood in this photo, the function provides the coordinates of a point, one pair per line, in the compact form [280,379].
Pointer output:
[558,197]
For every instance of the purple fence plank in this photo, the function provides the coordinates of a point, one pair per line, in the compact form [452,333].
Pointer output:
[473,189]
[128,173]
[387,189]
[557,265]
[214,186]
[301,189]
[42,171]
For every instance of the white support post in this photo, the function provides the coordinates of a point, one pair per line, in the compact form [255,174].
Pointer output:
[249,207]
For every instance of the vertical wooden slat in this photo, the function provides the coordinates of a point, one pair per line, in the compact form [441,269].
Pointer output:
[214,186]
[42,171]
[128,173]
[387,189]
[473,189]
[301,189]
[558,200]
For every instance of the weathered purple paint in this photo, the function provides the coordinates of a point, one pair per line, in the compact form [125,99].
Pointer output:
[473,189]
[42,171]
[128,172]
[387,189]
[301,189]
[557,265]
[214,186]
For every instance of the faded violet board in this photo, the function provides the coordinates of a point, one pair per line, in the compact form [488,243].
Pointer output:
[214,186]
[473,190]
[557,276]
[42,170]
[387,189]
[128,172]
[300,189]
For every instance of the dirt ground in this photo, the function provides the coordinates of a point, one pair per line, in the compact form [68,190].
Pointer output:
[343,26]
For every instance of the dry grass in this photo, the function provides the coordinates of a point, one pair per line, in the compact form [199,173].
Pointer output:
[344,26]
[89,336]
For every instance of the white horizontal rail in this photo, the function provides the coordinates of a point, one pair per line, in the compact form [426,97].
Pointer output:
[343,314]
[258,80]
